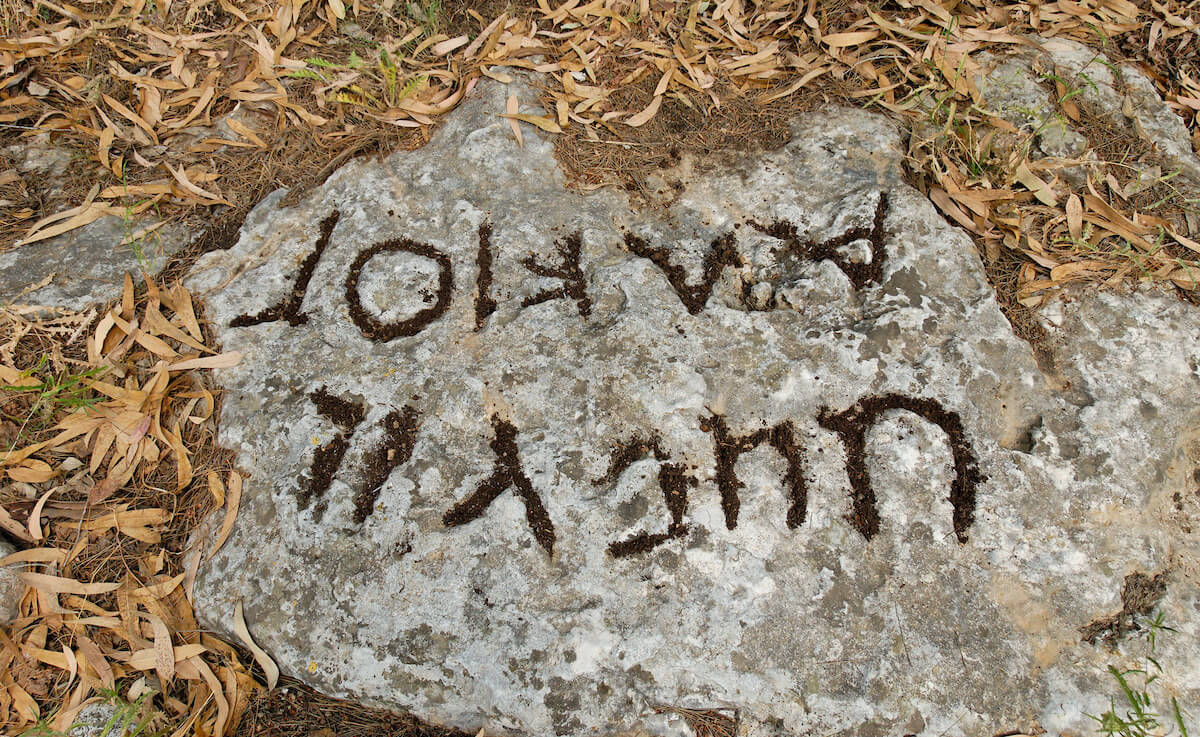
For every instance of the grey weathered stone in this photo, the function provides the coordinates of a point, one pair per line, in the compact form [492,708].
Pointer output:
[811,629]
[39,156]
[88,264]
[96,720]
[1019,87]
[11,587]
[1124,96]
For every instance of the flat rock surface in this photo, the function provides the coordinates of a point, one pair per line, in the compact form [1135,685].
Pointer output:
[533,460]
[85,266]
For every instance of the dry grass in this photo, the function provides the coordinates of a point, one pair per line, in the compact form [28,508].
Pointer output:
[295,710]
[107,419]
[196,110]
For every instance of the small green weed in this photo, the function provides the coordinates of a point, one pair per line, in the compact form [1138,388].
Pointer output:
[386,74]
[129,719]
[428,14]
[52,393]
[1139,717]
[43,729]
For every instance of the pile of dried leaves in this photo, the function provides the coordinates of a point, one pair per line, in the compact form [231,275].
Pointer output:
[174,109]
[109,463]
[167,100]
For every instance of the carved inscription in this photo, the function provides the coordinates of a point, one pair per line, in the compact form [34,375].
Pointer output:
[399,430]
[288,308]
[399,437]
[347,416]
[721,253]
[507,473]
[569,271]
[674,481]
[852,425]
[728,448]
[859,274]
[382,332]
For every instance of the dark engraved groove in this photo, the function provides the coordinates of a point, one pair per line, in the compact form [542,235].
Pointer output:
[507,472]
[288,308]
[852,425]
[484,304]
[569,271]
[381,332]
[674,481]
[346,415]
[721,253]
[728,448]
[860,275]
[399,437]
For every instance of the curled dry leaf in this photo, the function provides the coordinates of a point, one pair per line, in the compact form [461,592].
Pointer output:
[260,656]
[59,585]
[646,115]
[232,499]
[512,107]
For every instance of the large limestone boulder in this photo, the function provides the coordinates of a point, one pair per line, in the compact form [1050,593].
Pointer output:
[535,461]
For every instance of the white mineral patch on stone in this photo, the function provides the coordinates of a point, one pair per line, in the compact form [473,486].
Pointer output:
[810,628]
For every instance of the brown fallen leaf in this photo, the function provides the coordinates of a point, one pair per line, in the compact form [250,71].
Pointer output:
[539,121]
[1075,217]
[512,107]
[851,38]
[233,498]
[221,360]
[260,656]
[645,115]
[60,585]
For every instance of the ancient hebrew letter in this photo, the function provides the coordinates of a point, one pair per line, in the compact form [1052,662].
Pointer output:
[852,425]
[484,304]
[672,479]
[728,448]
[347,416]
[507,472]
[382,332]
[721,253]
[859,274]
[288,308]
[568,270]
[399,437]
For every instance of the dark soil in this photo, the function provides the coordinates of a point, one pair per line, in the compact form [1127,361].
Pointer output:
[1139,596]
[346,415]
[625,454]
[382,332]
[860,274]
[728,448]
[720,254]
[507,472]
[484,304]
[288,308]
[295,710]
[574,286]
[852,425]
[673,479]
[399,438]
